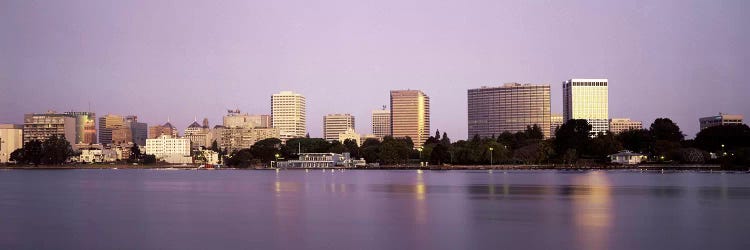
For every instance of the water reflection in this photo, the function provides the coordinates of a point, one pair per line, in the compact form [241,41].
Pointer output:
[593,210]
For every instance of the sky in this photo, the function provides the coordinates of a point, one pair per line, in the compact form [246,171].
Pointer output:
[182,60]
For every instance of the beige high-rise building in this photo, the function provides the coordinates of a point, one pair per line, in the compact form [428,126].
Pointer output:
[233,139]
[508,108]
[556,121]
[113,130]
[288,114]
[42,126]
[618,125]
[410,115]
[199,136]
[721,119]
[11,138]
[381,122]
[587,99]
[335,124]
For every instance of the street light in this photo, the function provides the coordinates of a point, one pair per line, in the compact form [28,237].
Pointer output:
[491,149]
[277,159]
[420,155]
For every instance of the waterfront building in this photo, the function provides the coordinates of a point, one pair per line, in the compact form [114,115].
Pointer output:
[138,130]
[42,126]
[508,108]
[350,134]
[85,127]
[288,114]
[11,138]
[587,99]
[96,154]
[169,149]
[335,124]
[199,136]
[721,119]
[235,119]
[381,122]
[618,125]
[206,156]
[627,157]
[233,139]
[322,160]
[556,120]
[410,115]
[159,130]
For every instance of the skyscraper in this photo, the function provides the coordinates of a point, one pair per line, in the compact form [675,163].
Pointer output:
[587,99]
[85,127]
[410,115]
[112,129]
[235,119]
[381,122]
[288,114]
[335,124]
[138,130]
[508,108]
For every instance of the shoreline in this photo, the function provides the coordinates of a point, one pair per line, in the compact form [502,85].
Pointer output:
[699,167]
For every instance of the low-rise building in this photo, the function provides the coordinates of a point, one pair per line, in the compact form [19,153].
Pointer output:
[169,149]
[42,126]
[322,160]
[97,155]
[618,125]
[627,157]
[721,119]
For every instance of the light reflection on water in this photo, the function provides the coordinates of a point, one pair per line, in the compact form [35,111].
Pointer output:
[373,209]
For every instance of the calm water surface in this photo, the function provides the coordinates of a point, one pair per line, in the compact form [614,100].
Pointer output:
[294,209]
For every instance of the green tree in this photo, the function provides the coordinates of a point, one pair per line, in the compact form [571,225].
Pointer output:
[135,153]
[395,151]
[56,150]
[637,140]
[266,150]
[439,155]
[352,147]
[731,136]
[603,145]
[149,159]
[445,140]
[241,159]
[572,135]
[336,147]
[665,129]
[371,150]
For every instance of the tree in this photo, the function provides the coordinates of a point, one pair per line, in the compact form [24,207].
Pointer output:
[439,155]
[637,140]
[336,147]
[241,159]
[215,147]
[371,150]
[395,151]
[56,150]
[603,145]
[534,132]
[665,129]
[445,140]
[353,149]
[732,136]
[149,159]
[572,135]
[266,150]
[135,153]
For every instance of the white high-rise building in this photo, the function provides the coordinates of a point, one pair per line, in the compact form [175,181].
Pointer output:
[288,114]
[335,124]
[587,99]
[171,150]
[381,122]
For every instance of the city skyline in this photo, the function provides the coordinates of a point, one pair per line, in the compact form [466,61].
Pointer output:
[681,60]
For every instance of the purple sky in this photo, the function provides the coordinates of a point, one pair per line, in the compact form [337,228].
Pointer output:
[182,59]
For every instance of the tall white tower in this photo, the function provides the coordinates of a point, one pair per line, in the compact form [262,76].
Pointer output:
[587,99]
[288,114]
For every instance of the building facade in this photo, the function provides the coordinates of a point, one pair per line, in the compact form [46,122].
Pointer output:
[410,115]
[85,127]
[508,108]
[335,124]
[159,130]
[167,148]
[199,136]
[381,122]
[11,138]
[288,114]
[587,99]
[618,125]
[235,119]
[42,126]
[721,119]
[138,130]
[350,134]
[233,139]
[113,125]
[556,121]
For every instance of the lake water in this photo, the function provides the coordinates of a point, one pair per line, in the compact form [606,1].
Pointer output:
[294,209]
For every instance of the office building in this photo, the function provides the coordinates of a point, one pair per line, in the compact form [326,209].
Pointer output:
[381,122]
[85,127]
[11,138]
[42,126]
[199,136]
[410,115]
[721,119]
[235,119]
[233,139]
[350,134]
[556,121]
[288,114]
[335,124]
[587,99]
[138,130]
[618,125]
[509,108]
[113,130]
